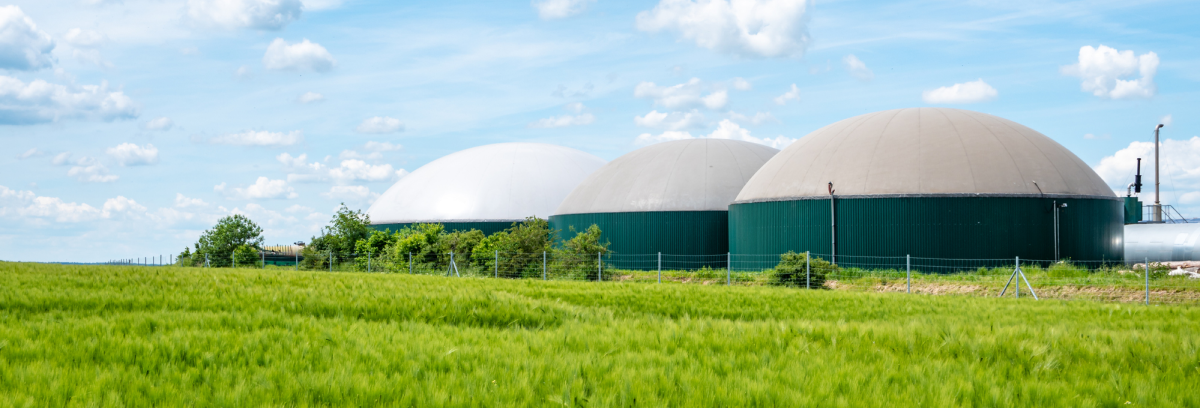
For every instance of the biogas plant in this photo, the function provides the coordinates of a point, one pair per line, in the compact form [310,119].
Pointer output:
[921,182]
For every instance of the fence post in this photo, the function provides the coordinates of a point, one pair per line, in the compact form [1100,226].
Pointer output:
[807,271]
[908,271]
[1147,265]
[331,260]
[599,268]
[543,265]
[410,263]
[660,267]
[369,261]
[205,260]
[497,264]
[264,258]
[234,258]
[728,273]
[1018,291]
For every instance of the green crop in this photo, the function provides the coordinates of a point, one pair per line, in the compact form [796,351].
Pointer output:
[145,336]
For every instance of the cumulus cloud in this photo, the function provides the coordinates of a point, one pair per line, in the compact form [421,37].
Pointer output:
[23,47]
[33,152]
[554,9]
[741,84]
[725,130]
[358,170]
[260,138]
[353,154]
[792,94]
[61,159]
[243,72]
[298,163]
[256,14]
[90,170]
[162,123]
[751,28]
[380,124]
[671,121]
[182,201]
[1180,166]
[129,154]
[307,55]
[682,96]
[351,194]
[349,170]
[40,102]
[1112,74]
[83,38]
[263,188]
[857,68]
[310,97]
[966,92]
[27,204]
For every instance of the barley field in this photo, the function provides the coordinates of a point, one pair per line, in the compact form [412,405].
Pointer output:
[124,336]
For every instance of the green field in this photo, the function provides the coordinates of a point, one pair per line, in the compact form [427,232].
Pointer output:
[145,336]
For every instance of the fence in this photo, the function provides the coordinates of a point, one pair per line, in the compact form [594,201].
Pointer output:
[1104,280]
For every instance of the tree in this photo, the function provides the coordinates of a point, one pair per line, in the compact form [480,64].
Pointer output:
[343,232]
[230,233]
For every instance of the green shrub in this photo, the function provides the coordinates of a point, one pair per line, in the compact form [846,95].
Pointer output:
[794,271]
[246,256]
[578,256]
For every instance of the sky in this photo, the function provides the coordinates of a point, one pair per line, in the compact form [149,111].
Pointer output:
[130,126]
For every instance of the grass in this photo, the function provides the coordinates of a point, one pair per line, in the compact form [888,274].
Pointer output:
[144,336]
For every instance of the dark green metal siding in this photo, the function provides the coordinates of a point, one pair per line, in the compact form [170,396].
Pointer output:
[933,227]
[651,232]
[1133,210]
[488,227]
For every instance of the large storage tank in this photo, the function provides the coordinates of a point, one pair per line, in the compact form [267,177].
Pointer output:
[670,197]
[1156,242]
[486,188]
[928,182]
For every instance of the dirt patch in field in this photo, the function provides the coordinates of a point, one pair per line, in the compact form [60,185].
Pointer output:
[1065,292]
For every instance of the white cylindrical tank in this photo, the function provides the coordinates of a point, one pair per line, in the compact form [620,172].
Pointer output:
[1162,242]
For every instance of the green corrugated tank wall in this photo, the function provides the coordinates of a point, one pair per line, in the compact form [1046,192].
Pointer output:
[687,239]
[1133,210]
[932,227]
[488,227]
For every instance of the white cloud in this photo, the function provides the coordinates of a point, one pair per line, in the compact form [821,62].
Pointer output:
[281,56]
[1180,166]
[1108,73]
[23,46]
[89,170]
[683,96]
[358,170]
[382,146]
[553,9]
[182,201]
[1166,120]
[318,5]
[351,194]
[793,94]
[83,38]
[351,154]
[380,124]
[61,159]
[299,163]
[40,101]
[967,92]
[243,72]
[725,130]
[33,152]
[564,121]
[857,68]
[260,138]
[758,118]
[741,84]
[256,14]
[27,204]
[576,107]
[1090,136]
[129,154]
[671,121]
[163,123]
[310,97]
[753,28]
[120,205]
[263,188]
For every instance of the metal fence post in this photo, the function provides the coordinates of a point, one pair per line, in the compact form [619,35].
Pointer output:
[410,263]
[543,265]
[1018,291]
[660,267]
[807,271]
[205,260]
[264,259]
[599,268]
[497,265]
[1147,281]
[368,261]
[908,270]
[330,260]
[234,258]
[728,273]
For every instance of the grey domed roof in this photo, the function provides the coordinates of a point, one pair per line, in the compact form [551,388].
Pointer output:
[498,182]
[924,151]
[683,175]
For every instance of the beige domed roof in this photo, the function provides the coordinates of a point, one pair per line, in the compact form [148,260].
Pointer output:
[924,152]
[683,175]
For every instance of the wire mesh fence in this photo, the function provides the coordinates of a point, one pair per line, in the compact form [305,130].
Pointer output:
[1104,280]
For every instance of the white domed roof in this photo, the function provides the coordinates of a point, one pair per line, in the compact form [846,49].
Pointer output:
[683,175]
[498,182]
[924,151]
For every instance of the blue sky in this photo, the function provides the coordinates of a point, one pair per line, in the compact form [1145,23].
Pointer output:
[130,126]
